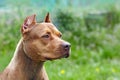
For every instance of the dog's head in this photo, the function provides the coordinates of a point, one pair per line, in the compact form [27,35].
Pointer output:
[42,41]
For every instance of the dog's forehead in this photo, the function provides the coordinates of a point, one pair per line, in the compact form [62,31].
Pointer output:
[48,27]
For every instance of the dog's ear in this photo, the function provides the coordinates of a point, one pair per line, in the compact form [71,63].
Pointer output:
[47,18]
[28,22]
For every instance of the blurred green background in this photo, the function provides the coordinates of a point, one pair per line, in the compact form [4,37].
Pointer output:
[91,26]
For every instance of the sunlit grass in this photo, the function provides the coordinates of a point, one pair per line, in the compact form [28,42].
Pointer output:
[102,70]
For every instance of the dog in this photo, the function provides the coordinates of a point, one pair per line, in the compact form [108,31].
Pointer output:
[40,42]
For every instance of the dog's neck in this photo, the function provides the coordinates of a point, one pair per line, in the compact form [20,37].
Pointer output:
[24,67]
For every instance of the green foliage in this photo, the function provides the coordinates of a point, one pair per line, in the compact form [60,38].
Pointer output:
[95,34]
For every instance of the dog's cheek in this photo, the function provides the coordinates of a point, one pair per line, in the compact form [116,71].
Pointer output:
[31,51]
[39,48]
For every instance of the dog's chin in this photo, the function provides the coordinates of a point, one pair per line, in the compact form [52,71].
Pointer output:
[58,57]
[66,55]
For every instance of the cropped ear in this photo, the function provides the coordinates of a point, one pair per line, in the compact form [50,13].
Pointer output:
[47,18]
[28,22]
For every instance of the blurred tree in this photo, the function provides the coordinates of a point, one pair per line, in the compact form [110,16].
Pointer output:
[2,2]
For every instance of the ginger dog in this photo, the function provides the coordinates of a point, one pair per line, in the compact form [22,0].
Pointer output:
[40,42]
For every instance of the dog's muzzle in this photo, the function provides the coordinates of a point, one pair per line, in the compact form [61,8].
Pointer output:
[66,46]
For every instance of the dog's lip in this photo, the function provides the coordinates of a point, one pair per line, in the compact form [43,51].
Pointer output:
[63,56]
[66,55]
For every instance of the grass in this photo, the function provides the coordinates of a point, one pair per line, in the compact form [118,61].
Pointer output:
[84,65]
[104,70]
[95,54]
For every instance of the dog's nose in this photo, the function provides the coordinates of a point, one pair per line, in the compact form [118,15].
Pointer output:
[66,46]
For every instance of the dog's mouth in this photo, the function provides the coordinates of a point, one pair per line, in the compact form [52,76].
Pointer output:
[65,55]
[59,53]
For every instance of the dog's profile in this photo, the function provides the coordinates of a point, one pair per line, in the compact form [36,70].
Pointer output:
[40,42]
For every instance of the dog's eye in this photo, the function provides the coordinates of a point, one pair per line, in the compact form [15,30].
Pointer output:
[46,36]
